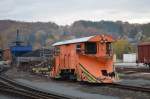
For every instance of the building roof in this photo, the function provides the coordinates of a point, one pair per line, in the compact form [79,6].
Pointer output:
[77,40]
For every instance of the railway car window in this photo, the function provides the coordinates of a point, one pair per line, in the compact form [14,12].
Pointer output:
[90,48]
[1,54]
[78,48]
[57,51]
[108,48]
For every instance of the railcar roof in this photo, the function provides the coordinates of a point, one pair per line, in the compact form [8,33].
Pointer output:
[144,43]
[77,40]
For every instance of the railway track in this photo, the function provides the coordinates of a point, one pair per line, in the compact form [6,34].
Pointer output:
[120,86]
[10,86]
[125,69]
[129,87]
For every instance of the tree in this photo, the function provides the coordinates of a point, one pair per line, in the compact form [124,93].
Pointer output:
[122,46]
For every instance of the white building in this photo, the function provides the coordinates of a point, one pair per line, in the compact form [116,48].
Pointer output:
[130,58]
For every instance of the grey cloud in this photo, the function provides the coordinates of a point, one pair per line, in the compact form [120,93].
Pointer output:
[57,10]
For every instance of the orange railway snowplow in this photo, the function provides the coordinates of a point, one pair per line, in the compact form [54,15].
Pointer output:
[84,59]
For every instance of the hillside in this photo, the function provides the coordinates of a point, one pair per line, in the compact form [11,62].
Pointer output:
[116,28]
[43,33]
[31,32]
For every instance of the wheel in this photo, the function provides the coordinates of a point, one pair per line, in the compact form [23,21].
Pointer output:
[149,65]
[72,77]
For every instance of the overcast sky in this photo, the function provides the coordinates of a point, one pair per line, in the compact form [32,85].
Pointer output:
[65,12]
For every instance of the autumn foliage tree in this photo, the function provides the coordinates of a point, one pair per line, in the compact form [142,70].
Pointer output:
[122,46]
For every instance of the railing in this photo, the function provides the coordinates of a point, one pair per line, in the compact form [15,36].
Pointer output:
[27,59]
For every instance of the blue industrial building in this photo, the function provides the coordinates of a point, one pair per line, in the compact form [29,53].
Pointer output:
[18,48]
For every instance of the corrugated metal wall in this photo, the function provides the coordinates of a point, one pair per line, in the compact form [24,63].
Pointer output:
[144,53]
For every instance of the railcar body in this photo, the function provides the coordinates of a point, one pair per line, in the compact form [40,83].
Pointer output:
[84,59]
[5,56]
[1,54]
[144,53]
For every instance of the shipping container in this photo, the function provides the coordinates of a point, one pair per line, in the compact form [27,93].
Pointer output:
[144,53]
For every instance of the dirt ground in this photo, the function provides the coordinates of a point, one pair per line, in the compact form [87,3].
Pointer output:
[83,90]
[136,79]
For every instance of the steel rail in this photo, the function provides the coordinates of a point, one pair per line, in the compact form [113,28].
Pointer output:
[120,86]
[29,91]
[133,69]
[129,87]
[20,92]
